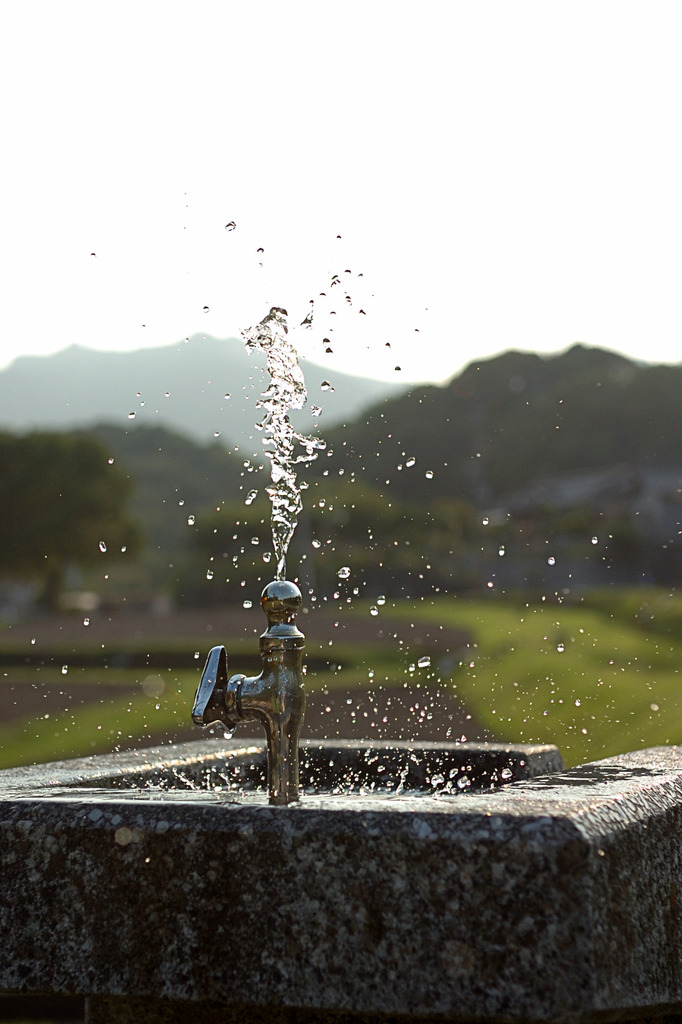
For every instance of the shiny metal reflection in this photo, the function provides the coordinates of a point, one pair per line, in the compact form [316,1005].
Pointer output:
[276,697]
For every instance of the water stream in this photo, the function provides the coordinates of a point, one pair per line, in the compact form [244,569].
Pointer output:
[284,446]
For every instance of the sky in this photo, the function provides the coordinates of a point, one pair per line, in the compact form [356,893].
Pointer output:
[493,175]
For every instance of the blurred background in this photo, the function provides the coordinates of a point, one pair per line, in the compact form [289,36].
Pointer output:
[472,214]
[496,556]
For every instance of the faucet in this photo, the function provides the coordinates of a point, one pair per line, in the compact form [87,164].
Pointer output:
[276,697]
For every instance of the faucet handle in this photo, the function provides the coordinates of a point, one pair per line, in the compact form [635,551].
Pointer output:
[213,701]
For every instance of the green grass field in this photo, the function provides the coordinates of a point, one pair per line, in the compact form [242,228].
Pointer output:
[149,703]
[597,677]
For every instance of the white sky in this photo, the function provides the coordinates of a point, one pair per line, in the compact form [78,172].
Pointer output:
[504,174]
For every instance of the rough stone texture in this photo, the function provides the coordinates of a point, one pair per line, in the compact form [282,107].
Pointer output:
[554,898]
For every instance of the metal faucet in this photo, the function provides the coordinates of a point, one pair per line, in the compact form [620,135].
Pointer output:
[276,697]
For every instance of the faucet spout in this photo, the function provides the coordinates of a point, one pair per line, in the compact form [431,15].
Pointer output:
[276,697]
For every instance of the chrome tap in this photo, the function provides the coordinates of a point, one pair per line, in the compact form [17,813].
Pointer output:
[276,697]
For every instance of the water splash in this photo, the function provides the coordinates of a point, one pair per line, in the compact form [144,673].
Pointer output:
[285,392]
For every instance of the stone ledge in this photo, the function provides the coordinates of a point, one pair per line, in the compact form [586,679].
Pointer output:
[555,898]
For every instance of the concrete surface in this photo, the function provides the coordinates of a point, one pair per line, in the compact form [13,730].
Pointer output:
[556,897]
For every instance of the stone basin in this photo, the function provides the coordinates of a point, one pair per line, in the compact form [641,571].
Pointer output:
[235,770]
[437,882]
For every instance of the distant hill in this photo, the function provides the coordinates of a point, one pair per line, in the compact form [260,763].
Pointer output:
[512,419]
[588,434]
[203,387]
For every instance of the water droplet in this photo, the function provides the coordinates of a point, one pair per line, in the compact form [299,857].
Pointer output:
[424,662]
[577,702]
[191,520]
[86,622]
[216,433]
[429,474]
[110,461]
[102,546]
[551,560]
[260,250]
[344,572]
[255,540]
[317,543]
[560,648]
[267,555]
[485,521]
[410,462]
[506,773]
[131,415]
[205,309]
[500,551]
[230,226]
[381,600]
[197,655]
[374,610]
[65,669]
[595,540]
[33,639]
[398,367]
[326,386]
[250,497]
[209,574]
[228,395]
[247,604]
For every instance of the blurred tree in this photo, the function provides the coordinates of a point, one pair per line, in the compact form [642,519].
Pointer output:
[61,503]
[390,545]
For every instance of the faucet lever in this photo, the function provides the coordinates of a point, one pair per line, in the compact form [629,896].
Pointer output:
[214,700]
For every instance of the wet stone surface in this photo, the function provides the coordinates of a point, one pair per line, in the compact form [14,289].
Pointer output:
[551,898]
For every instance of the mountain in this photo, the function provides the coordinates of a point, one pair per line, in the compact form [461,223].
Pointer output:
[512,419]
[563,448]
[204,387]
[567,447]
